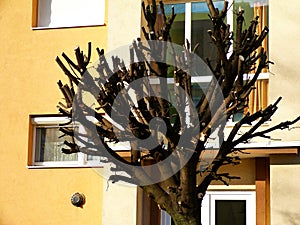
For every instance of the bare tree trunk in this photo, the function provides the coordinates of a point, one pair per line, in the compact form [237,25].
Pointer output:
[190,219]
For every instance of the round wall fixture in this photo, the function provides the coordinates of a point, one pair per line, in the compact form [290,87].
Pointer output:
[78,199]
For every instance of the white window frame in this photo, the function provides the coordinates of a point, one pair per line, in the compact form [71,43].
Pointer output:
[208,206]
[69,13]
[50,122]
[165,218]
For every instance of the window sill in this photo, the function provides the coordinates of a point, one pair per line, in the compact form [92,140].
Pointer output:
[231,124]
[262,76]
[62,166]
[67,27]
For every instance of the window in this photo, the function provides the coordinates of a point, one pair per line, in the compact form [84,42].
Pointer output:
[229,207]
[46,143]
[68,13]
[165,218]
[192,22]
[259,96]
[225,207]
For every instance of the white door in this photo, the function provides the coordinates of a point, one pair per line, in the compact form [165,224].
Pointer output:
[229,208]
[225,208]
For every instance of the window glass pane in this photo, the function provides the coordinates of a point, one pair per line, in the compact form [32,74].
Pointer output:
[66,13]
[230,212]
[198,90]
[48,146]
[165,218]
[177,31]
[93,158]
[258,98]
[252,9]
[201,23]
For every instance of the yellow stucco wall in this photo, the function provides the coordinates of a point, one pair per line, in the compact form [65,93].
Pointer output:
[28,86]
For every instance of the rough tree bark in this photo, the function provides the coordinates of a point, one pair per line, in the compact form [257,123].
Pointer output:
[181,194]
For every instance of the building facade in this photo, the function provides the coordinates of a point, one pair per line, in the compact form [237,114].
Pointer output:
[38,192]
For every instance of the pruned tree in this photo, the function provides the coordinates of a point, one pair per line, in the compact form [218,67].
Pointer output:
[184,183]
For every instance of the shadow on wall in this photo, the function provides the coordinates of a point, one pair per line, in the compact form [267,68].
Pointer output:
[286,160]
[290,218]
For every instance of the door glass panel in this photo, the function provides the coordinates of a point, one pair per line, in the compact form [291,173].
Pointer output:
[230,212]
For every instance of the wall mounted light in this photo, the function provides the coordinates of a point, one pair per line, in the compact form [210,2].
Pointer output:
[78,199]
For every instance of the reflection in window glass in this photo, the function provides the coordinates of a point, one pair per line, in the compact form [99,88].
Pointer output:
[178,30]
[48,146]
[201,23]
[198,90]
[252,9]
